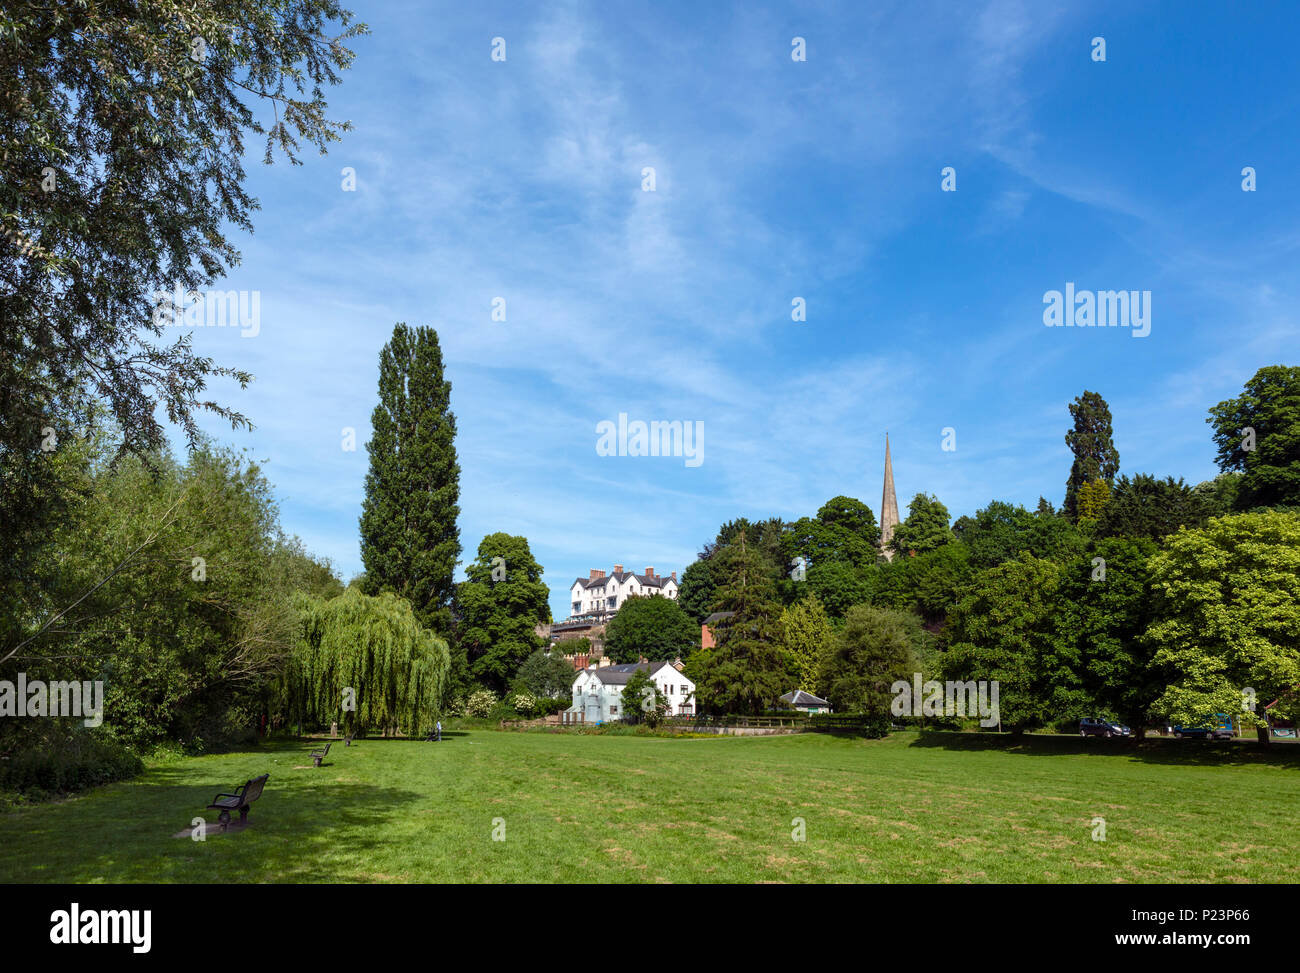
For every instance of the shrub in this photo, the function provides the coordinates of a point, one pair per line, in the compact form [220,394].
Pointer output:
[545,707]
[481,702]
[526,704]
[503,711]
[62,762]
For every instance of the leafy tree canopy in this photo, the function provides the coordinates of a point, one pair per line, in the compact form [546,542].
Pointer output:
[1002,629]
[1002,531]
[844,531]
[1104,605]
[925,528]
[653,627]
[1258,435]
[643,701]
[807,638]
[696,592]
[1147,507]
[500,605]
[1228,616]
[124,131]
[546,674]
[871,652]
[746,671]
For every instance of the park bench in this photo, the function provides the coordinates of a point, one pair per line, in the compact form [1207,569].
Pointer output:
[245,794]
[347,740]
[318,755]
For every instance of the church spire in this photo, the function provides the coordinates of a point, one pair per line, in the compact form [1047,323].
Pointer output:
[888,506]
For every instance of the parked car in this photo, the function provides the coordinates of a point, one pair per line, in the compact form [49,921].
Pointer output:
[1091,726]
[1216,727]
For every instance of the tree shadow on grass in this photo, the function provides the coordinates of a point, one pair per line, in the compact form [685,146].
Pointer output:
[381,739]
[305,827]
[1156,750]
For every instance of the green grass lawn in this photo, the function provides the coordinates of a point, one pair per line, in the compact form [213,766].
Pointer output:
[910,808]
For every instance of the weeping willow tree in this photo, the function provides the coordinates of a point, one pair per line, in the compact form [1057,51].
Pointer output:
[365,662]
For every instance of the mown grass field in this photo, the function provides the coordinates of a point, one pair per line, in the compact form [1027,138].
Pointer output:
[910,808]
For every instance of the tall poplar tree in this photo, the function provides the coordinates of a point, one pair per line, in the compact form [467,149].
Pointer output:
[1095,455]
[409,540]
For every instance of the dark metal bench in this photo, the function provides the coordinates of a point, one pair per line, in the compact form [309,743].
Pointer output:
[245,794]
[347,740]
[318,755]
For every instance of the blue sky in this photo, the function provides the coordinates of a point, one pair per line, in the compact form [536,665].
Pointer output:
[775,179]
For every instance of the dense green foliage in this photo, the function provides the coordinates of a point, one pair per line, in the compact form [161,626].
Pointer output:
[871,652]
[642,700]
[1001,629]
[696,593]
[499,606]
[174,586]
[409,538]
[544,674]
[1103,607]
[844,531]
[807,639]
[1258,435]
[1229,616]
[101,117]
[746,671]
[1146,507]
[839,585]
[650,627]
[926,527]
[124,130]
[1002,531]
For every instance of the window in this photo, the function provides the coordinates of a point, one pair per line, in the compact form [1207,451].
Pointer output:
[613,711]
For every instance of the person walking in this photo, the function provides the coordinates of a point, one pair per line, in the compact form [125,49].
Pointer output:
[438,726]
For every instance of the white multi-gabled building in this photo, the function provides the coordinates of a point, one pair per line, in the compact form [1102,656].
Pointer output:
[604,594]
[598,693]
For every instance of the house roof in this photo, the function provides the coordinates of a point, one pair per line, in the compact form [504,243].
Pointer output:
[657,581]
[801,698]
[717,616]
[619,675]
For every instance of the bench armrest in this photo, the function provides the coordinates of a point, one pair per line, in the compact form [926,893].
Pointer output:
[237,796]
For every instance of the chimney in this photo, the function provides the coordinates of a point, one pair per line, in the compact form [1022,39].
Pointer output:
[618,569]
[649,572]
[594,575]
[674,575]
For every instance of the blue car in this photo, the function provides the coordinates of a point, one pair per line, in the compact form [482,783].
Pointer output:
[1216,727]
[1091,726]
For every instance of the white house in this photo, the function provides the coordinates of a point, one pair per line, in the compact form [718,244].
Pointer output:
[604,594]
[598,693]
